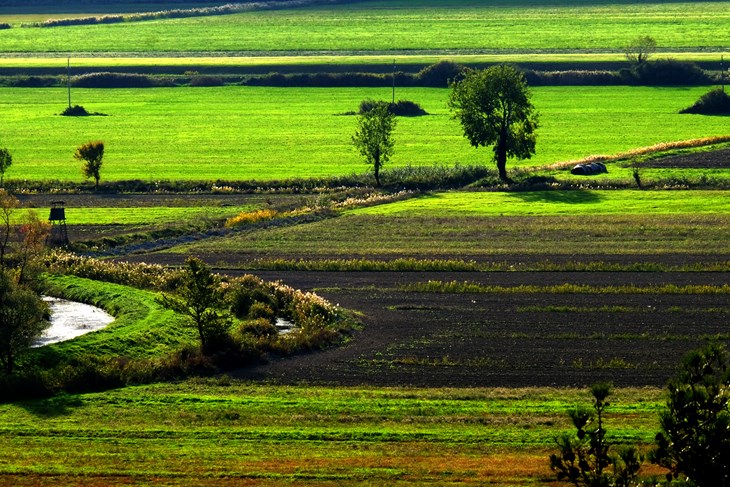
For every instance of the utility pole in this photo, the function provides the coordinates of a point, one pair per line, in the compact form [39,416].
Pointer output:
[68,80]
[393,81]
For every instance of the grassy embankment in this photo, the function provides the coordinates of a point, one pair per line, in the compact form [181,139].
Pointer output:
[246,133]
[218,432]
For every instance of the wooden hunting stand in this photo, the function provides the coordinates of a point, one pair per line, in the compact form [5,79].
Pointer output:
[59,234]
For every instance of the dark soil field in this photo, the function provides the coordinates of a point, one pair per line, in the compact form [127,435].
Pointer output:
[707,160]
[474,339]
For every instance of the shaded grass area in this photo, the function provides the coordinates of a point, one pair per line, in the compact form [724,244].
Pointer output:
[251,133]
[229,433]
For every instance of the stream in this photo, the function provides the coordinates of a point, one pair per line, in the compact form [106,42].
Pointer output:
[70,319]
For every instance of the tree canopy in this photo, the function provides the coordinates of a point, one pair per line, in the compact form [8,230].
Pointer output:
[494,109]
[373,136]
[91,153]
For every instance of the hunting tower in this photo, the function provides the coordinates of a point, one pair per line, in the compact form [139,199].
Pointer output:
[59,233]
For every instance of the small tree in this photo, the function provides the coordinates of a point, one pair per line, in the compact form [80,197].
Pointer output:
[199,297]
[23,317]
[91,154]
[494,108]
[584,457]
[694,437]
[8,205]
[33,234]
[373,136]
[6,160]
[640,49]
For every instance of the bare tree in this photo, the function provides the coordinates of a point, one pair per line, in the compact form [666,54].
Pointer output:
[640,49]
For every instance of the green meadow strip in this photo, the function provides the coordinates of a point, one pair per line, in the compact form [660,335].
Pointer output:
[462,287]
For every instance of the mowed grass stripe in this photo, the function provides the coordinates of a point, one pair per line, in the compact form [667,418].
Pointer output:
[439,236]
[554,203]
[245,133]
[393,26]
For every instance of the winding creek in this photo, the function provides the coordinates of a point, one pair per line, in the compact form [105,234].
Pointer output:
[70,319]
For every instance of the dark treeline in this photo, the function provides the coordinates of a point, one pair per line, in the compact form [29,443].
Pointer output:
[655,73]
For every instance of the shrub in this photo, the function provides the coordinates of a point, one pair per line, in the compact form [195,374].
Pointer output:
[715,102]
[694,441]
[402,108]
[666,72]
[261,311]
[75,111]
[31,81]
[573,78]
[4,25]
[248,217]
[439,75]
[115,80]
[206,81]
[258,328]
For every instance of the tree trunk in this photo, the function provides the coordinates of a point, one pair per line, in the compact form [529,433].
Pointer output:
[502,157]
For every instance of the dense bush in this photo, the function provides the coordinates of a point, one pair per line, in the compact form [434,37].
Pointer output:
[573,78]
[715,102]
[116,80]
[31,81]
[75,111]
[666,72]
[206,81]
[439,75]
[4,25]
[401,108]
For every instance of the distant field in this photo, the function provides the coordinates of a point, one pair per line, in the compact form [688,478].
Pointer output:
[222,432]
[400,26]
[245,133]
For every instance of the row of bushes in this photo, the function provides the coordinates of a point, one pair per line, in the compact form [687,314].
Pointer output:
[661,73]
[230,8]
[405,177]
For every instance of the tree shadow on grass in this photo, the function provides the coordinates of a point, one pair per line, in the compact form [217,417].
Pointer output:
[52,407]
[576,197]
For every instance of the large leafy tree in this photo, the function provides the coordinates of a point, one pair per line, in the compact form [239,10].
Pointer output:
[694,437]
[374,136]
[494,109]
[200,297]
[23,317]
[91,154]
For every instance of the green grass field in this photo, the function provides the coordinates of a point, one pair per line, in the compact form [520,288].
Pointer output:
[246,133]
[216,432]
[140,215]
[426,25]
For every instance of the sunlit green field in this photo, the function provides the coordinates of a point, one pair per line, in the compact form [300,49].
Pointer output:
[400,25]
[221,433]
[553,203]
[249,133]
[140,215]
